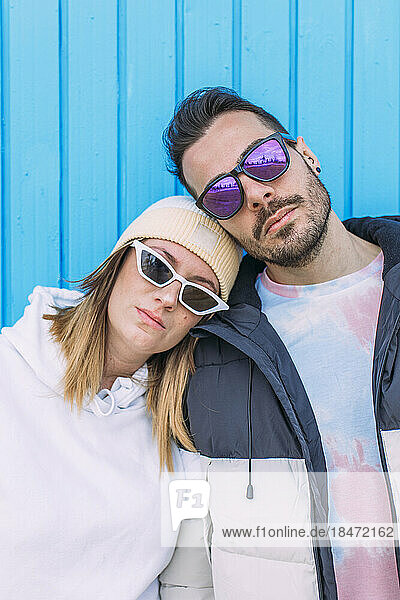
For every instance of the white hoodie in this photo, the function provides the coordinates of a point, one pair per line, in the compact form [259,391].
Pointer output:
[79,494]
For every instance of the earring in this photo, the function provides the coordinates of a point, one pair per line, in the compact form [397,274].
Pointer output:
[318,169]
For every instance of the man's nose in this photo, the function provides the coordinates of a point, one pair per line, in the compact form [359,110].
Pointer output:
[257,194]
[169,294]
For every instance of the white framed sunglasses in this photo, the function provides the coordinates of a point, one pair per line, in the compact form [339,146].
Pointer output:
[156,269]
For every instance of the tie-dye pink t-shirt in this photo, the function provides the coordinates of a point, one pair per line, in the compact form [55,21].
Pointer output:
[329,330]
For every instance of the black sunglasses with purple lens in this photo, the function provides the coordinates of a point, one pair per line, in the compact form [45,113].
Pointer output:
[224,195]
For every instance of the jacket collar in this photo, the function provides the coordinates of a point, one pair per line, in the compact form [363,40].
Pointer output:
[383,231]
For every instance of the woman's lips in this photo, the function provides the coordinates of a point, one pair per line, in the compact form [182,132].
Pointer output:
[150,318]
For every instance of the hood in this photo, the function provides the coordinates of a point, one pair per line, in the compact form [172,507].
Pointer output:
[382,231]
[30,336]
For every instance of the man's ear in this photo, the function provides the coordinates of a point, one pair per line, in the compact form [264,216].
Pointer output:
[307,155]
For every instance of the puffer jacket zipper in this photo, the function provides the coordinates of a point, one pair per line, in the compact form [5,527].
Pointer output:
[250,491]
[379,436]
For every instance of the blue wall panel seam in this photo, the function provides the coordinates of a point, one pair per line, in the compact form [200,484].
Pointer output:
[179,49]
[122,209]
[349,109]
[237,45]
[293,66]
[63,139]
[5,164]
[179,62]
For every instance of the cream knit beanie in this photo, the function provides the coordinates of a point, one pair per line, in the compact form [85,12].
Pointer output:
[178,219]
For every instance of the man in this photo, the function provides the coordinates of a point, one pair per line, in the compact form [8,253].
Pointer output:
[283,379]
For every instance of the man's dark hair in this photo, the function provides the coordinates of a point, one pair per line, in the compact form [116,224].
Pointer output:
[196,113]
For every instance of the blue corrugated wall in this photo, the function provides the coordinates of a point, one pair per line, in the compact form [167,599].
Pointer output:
[87,87]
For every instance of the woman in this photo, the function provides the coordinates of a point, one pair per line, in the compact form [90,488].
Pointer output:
[80,500]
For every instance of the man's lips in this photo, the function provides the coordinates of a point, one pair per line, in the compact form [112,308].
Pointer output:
[150,318]
[281,217]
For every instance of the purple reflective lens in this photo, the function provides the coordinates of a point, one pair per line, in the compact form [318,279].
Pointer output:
[266,161]
[223,198]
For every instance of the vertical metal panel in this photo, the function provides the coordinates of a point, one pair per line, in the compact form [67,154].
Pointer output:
[179,67]
[4,163]
[92,133]
[121,115]
[150,101]
[293,65]
[33,165]
[348,149]
[321,89]
[208,44]
[63,115]
[179,50]
[237,19]
[376,106]
[265,55]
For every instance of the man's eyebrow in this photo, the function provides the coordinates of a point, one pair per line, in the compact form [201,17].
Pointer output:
[241,157]
[195,278]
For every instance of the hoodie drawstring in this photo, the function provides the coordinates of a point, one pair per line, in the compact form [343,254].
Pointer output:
[249,492]
[98,410]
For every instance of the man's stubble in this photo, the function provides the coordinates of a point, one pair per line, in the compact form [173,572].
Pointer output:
[289,246]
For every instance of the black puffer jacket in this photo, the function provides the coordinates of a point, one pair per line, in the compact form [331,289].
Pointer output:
[247,402]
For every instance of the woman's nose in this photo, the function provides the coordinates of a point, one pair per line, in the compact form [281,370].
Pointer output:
[257,194]
[169,294]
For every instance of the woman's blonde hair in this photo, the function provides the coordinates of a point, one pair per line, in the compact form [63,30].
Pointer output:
[81,331]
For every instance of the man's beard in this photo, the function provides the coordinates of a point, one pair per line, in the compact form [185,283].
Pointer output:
[288,246]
